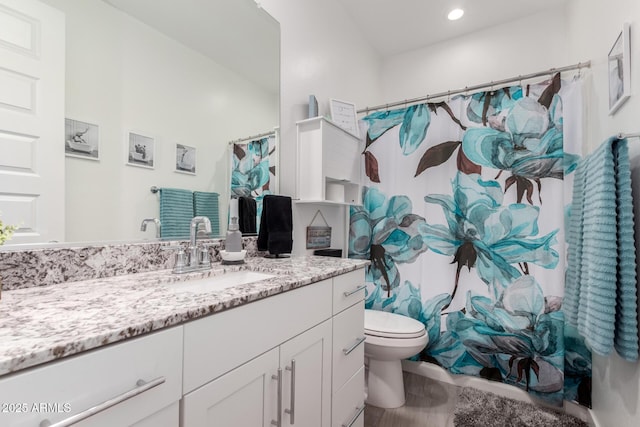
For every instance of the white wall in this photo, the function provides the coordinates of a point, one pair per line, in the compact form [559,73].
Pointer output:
[593,26]
[323,54]
[125,76]
[520,47]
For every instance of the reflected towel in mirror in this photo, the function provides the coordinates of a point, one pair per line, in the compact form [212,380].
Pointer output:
[206,204]
[247,212]
[176,211]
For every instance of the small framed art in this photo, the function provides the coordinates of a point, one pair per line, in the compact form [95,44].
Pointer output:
[141,151]
[185,159]
[82,139]
[344,115]
[619,71]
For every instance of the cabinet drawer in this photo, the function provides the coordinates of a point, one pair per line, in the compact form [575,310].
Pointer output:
[59,390]
[348,289]
[218,343]
[348,344]
[348,403]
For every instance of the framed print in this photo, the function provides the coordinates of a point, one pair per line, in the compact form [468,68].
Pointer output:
[141,151]
[344,115]
[619,71]
[81,139]
[185,159]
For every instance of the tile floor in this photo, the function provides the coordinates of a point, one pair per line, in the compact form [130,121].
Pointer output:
[430,403]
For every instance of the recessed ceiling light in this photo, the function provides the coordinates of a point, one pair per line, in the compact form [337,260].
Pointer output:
[455,14]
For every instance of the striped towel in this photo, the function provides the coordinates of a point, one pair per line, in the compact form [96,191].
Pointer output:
[600,291]
[206,204]
[176,211]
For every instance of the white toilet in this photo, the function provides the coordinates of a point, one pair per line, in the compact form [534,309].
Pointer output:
[389,339]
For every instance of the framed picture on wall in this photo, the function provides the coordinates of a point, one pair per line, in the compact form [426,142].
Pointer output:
[141,150]
[344,114]
[81,140]
[619,68]
[185,159]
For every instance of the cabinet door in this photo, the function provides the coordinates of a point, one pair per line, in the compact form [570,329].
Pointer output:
[245,397]
[310,380]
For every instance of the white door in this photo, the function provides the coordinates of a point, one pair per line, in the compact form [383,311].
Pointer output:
[32,81]
[310,352]
[246,396]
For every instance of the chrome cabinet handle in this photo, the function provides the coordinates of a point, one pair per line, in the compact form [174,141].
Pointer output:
[278,421]
[292,411]
[142,386]
[355,417]
[359,341]
[358,289]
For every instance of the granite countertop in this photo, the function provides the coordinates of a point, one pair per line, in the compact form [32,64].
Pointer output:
[41,324]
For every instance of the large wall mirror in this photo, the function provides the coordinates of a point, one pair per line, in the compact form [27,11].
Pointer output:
[168,76]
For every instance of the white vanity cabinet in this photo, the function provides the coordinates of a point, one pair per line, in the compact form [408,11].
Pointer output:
[291,380]
[348,350]
[293,359]
[244,350]
[137,383]
[274,362]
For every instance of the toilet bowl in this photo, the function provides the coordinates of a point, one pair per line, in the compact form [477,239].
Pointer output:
[389,339]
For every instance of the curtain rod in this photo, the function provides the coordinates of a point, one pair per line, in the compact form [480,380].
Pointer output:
[628,135]
[260,135]
[577,66]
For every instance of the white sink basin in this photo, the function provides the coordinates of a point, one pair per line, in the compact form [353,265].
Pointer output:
[223,281]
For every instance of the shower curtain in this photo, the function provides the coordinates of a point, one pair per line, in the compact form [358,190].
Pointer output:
[463,219]
[253,170]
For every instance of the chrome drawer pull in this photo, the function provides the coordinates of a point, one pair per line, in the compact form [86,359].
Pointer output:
[358,289]
[278,421]
[359,341]
[142,386]
[355,417]
[292,411]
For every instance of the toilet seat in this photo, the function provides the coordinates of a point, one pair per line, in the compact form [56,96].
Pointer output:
[390,325]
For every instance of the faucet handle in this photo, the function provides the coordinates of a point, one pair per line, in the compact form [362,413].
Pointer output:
[181,257]
[203,257]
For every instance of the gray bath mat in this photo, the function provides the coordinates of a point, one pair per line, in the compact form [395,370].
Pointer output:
[477,408]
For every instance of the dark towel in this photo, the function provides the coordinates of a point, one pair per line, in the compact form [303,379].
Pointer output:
[247,211]
[276,225]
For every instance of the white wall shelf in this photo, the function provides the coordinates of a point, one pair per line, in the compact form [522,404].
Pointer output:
[328,166]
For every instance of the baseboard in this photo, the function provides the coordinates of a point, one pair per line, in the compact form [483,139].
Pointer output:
[437,373]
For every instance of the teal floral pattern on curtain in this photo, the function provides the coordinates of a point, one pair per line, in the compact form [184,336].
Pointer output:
[253,170]
[463,220]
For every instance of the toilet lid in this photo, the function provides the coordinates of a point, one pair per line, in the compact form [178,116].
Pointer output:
[391,325]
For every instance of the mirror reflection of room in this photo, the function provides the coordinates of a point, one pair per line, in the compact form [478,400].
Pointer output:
[143,87]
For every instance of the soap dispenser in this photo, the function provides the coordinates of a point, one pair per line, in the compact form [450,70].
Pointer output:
[233,241]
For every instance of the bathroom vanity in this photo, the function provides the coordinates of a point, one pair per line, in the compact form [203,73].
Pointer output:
[157,351]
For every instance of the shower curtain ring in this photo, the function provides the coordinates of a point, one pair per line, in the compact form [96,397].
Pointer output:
[448,96]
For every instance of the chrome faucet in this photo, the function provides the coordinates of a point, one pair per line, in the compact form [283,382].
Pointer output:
[194,250]
[197,257]
[156,221]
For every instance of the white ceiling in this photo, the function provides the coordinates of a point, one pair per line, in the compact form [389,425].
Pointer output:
[395,26]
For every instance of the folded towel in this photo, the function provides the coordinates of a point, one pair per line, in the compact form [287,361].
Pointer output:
[176,211]
[247,209]
[206,204]
[276,225]
[600,291]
